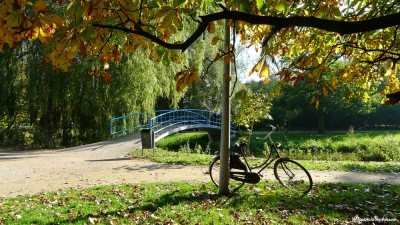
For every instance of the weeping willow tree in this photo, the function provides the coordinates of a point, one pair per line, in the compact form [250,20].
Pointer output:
[12,92]
[58,108]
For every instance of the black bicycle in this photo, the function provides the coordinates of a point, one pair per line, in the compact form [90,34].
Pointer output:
[288,172]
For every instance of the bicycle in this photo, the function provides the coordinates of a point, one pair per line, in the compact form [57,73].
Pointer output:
[288,172]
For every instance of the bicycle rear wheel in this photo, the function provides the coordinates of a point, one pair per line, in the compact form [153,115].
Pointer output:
[293,175]
[214,170]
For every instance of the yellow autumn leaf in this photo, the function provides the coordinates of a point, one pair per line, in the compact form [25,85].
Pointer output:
[43,36]
[264,73]
[315,62]
[178,22]
[88,11]
[316,100]
[187,78]
[256,68]
[308,61]
[167,20]
[216,58]
[211,28]
[7,38]
[228,58]
[315,72]
[334,82]
[326,93]
[180,84]
[215,40]
[157,54]
[52,19]
[193,76]
[39,6]
[174,56]
[183,72]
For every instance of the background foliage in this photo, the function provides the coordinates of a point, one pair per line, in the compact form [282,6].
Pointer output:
[40,106]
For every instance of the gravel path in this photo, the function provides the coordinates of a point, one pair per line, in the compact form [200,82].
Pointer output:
[104,163]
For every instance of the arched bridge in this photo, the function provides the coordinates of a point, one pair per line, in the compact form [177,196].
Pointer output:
[162,123]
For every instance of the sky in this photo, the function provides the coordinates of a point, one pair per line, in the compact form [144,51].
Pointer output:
[246,60]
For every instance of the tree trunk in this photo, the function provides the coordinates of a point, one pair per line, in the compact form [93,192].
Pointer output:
[225,123]
[321,121]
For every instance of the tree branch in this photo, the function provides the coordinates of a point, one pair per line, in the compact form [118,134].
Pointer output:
[340,27]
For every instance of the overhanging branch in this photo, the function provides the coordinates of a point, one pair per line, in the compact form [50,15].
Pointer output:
[340,27]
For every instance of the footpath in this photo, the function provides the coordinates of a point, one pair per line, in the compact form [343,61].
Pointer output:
[105,163]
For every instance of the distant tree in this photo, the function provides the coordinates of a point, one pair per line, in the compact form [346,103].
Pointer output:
[250,108]
[298,103]
[58,107]
[12,88]
[201,59]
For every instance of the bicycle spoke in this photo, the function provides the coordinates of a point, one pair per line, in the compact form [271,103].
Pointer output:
[293,175]
[234,185]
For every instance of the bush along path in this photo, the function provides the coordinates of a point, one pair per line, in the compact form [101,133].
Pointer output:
[105,163]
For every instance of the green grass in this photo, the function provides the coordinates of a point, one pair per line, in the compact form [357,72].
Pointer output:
[367,146]
[165,156]
[184,141]
[315,152]
[199,203]
[182,203]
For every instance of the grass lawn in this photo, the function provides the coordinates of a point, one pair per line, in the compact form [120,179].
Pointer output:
[198,203]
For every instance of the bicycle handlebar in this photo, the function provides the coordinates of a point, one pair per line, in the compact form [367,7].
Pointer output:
[273,128]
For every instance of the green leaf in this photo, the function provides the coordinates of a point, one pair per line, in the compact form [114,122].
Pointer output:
[161,51]
[244,5]
[75,10]
[166,60]
[260,4]
[14,19]
[282,6]
[88,34]
[153,4]
[242,95]
[178,3]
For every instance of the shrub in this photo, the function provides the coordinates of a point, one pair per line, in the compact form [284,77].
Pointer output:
[17,136]
[387,149]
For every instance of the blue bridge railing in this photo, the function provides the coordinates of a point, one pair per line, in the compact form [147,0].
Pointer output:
[165,122]
[183,119]
[132,122]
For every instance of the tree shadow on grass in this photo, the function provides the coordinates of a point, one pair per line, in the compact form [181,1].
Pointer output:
[328,204]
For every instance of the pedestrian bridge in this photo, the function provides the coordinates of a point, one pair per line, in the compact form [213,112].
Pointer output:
[159,124]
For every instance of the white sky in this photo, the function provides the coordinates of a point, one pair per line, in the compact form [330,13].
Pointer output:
[247,58]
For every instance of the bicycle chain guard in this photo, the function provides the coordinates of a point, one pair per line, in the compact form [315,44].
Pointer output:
[247,177]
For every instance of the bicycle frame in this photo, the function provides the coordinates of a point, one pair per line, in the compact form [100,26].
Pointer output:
[270,159]
[288,172]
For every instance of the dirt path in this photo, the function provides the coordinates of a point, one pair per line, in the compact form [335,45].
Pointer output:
[30,172]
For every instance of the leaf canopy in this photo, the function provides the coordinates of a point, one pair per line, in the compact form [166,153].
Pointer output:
[312,34]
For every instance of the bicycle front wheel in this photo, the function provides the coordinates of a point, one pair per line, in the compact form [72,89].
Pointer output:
[214,170]
[292,175]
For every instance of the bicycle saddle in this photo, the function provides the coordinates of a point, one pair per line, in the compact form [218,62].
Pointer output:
[240,144]
[277,144]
